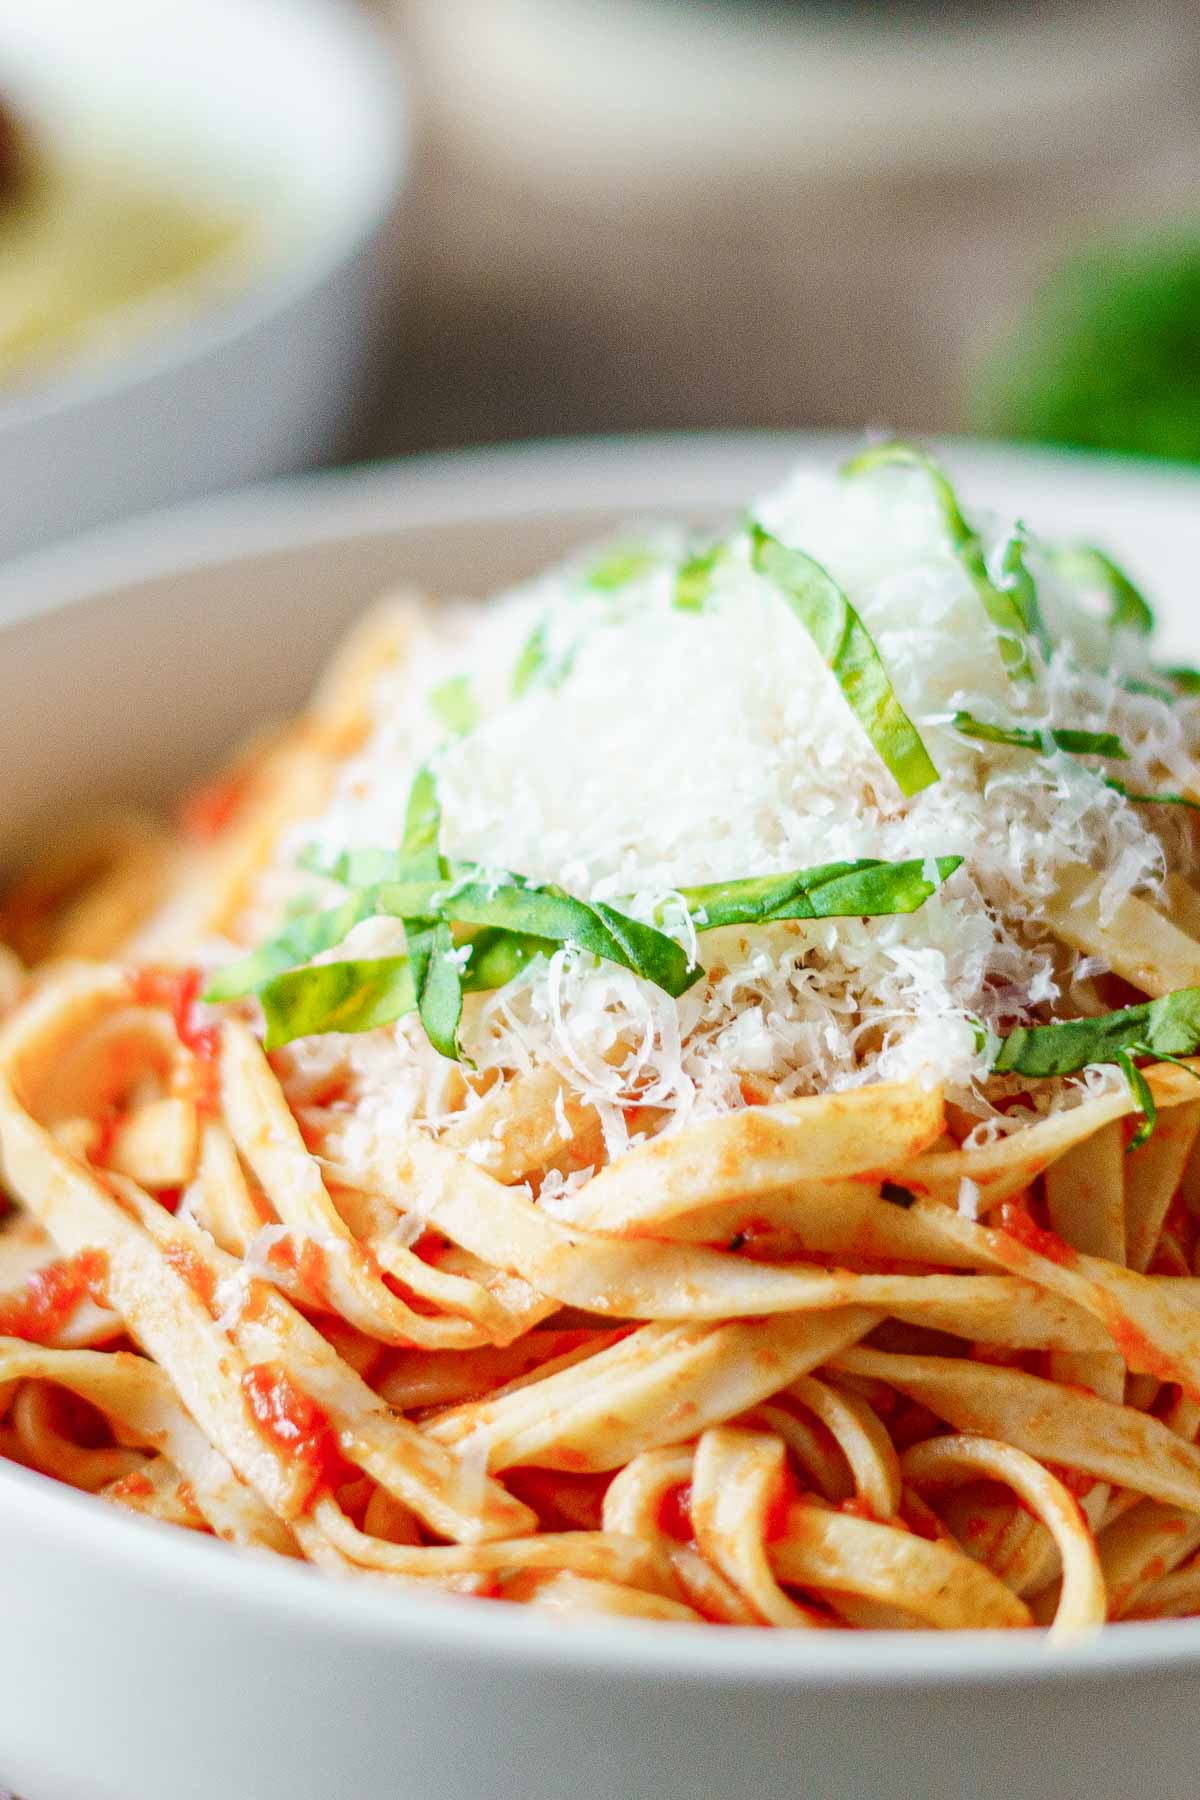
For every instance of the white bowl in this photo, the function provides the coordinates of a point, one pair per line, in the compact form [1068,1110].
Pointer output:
[291,107]
[138,1663]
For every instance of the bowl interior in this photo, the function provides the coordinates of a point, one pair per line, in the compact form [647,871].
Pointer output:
[132,659]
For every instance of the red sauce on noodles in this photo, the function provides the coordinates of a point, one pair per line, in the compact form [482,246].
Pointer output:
[52,1296]
[282,1411]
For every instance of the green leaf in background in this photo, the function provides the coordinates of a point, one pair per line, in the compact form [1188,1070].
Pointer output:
[694,579]
[1107,353]
[1186,680]
[454,705]
[1085,566]
[1013,609]
[848,651]
[1076,743]
[866,889]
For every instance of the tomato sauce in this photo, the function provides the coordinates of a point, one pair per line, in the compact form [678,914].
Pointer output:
[430,1247]
[132,1487]
[1017,1222]
[107,1125]
[52,1296]
[281,1255]
[858,1507]
[178,990]
[1143,1357]
[192,1268]
[675,1513]
[1076,1482]
[312,1268]
[282,1411]
[778,1519]
[310,1264]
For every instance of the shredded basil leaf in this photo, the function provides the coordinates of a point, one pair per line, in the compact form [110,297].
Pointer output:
[363,995]
[536,666]
[433,966]
[1020,583]
[1167,1027]
[1119,787]
[499,950]
[1086,566]
[848,651]
[532,661]
[1078,743]
[498,957]
[511,904]
[337,996]
[302,938]
[867,889]
[1163,1030]
[423,821]
[1155,689]
[694,579]
[1142,1096]
[455,706]
[619,567]
[366,868]
[1012,609]
[437,983]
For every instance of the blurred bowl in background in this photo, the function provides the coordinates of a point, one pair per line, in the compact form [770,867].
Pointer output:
[288,115]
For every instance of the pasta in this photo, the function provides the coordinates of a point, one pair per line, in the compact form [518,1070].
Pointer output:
[670,1230]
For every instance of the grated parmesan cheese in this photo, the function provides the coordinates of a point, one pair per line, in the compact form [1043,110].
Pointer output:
[676,748]
[968,1199]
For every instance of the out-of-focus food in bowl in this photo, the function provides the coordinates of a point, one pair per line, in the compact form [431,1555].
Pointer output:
[96,250]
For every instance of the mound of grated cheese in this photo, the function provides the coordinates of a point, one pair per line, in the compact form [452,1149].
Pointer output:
[677,747]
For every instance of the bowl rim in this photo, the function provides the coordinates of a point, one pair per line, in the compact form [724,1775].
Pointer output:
[365,58]
[532,480]
[524,478]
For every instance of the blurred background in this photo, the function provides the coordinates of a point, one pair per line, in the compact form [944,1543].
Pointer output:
[634,213]
[414,224]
